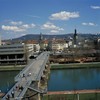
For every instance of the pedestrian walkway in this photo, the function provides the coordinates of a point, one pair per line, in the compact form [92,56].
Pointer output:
[33,72]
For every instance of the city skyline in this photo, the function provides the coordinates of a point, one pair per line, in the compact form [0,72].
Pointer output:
[21,17]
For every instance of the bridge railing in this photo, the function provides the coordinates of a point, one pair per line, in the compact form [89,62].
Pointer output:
[21,95]
[26,68]
[42,68]
[9,92]
[23,71]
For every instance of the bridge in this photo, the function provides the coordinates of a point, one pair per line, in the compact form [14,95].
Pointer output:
[29,79]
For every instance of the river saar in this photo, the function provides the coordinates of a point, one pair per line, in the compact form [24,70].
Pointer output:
[74,79]
[60,80]
[7,80]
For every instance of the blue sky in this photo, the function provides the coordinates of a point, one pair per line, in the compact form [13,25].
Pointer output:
[21,17]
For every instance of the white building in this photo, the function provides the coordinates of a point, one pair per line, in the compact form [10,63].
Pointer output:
[59,45]
[35,47]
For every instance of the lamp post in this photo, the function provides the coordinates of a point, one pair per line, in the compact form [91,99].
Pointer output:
[77,96]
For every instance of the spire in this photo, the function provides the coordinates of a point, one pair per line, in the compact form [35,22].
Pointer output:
[41,36]
[75,32]
[0,39]
[41,42]
[75,37]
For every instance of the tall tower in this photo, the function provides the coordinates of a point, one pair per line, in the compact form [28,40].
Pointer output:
[41,37]
[41,42]
[0,39]
[75,37]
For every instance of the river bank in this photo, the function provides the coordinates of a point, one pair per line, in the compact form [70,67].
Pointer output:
[75,65]
[11,67]
[93,95]
[54,66]
[79,82]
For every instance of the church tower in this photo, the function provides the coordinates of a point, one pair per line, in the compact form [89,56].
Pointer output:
[0,39]
[41,37]
[75,37]
[41,42]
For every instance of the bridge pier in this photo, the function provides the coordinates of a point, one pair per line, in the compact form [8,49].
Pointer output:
[31,94]
[39,98]
[47,67]
[39,85]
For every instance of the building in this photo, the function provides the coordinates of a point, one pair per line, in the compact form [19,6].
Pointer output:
[45,44]
[15,54]
[34,44]
[59,45]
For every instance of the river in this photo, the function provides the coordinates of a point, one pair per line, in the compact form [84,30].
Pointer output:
[60,80]
[7,80]
[74,79]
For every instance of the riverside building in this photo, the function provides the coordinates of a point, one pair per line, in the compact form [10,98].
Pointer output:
[15,54]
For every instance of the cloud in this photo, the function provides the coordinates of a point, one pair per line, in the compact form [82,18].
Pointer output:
[95,7]
[63,15]
[33,25]
[17,26]
[54,31]
[89,24]
[16,23]
[28,26]
[12,28]
[25,26]
[51,26]
[33,16]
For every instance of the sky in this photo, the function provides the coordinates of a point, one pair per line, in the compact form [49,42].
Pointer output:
[22,17]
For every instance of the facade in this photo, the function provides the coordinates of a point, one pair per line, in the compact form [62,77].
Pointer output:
[59,45]
[45,44]
[35,47]
[29,49]
[14,54]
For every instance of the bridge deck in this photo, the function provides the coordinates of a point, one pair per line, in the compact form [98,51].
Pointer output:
[32,72]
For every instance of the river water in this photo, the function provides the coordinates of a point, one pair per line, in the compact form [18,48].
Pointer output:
[60,80]
[74,79]
[7,80]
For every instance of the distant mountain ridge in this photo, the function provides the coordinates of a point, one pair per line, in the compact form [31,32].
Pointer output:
[62,36]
